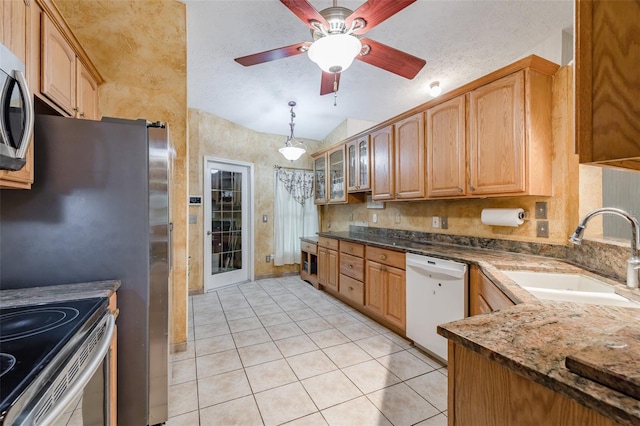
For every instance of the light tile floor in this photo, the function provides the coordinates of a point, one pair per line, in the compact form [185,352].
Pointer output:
[278,351]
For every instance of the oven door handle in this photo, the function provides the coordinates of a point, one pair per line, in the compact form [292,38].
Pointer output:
[84,377]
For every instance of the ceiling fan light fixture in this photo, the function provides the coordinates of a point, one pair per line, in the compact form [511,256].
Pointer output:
[292,149]
[335,53]
[435,89]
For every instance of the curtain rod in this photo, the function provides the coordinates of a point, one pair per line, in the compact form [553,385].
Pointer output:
[276,167]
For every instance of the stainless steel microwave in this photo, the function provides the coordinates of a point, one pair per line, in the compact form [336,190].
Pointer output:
[16,112]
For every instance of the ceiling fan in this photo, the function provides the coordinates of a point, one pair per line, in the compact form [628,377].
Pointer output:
[337,41]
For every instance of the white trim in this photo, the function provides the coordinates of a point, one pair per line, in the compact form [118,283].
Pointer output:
[250,211]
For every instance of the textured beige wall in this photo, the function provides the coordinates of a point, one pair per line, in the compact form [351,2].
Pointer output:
[464,215]
[140,48]
[211,136]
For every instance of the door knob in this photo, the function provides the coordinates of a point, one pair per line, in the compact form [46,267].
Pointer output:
[209,232]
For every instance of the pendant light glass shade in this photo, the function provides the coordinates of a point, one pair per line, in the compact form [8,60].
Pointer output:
[292,151]
[335,53]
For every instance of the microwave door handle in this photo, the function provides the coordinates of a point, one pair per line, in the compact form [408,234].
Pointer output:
[86,375]
[4,100]
[29,114]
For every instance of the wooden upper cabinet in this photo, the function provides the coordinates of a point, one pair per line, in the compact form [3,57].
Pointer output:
[15,18]
[358,164]
[446,152]
[58,67]
[409,154]
[496,137]
[607,82]
[320,179]
[336,183]
[382,174]
[87,94]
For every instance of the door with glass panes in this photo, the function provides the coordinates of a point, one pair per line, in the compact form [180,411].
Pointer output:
[227,256]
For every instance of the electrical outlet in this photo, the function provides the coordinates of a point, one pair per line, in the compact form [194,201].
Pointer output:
[397,217]
[351,217]
[265,218]
[541,210]
[444,222]
[268,258]
[374,218]
[436,222]
[329,224]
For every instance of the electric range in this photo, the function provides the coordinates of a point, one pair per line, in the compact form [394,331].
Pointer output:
[36,341]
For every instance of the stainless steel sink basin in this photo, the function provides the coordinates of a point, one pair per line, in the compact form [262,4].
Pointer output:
[569,288]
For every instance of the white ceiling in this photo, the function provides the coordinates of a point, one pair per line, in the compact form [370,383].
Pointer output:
[460,40]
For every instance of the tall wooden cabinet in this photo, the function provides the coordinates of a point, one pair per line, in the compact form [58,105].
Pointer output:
[607,82]
[409,156]
[15,17]
[382,171]
[446,149]
[358,170]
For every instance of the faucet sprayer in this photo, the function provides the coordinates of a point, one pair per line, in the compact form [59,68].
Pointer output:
[633,263]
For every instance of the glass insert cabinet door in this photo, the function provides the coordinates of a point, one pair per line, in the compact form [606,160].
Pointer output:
[358,165]
[228,224]
[320,179]
[363,163]
[337,187]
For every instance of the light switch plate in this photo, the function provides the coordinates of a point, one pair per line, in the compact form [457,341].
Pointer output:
[444,222]
[265,218]
[541,210]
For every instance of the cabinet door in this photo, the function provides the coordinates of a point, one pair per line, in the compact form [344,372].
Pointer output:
[409,153]
[446,154]
[363,163]
[333,269]
[484,296]
[323,265]
[496,138]
[58,67]
[352,166]
[382,176]
[375,288]
[337,183]
[396,298]
[320,179]
[13,33]
[87,92]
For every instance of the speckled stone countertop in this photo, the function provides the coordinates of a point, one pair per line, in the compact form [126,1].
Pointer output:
[58,293]
[312,240]
[534,337]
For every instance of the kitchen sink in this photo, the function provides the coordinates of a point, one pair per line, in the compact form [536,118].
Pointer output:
[569,288]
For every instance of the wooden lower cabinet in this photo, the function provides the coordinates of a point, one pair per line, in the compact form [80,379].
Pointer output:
[328,265]
[484,295]
[385,292]
[309,262]
[483,392]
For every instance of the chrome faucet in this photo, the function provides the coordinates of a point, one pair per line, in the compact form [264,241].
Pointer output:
[633,263]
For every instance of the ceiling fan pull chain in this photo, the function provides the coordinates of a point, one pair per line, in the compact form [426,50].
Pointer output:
[335,89]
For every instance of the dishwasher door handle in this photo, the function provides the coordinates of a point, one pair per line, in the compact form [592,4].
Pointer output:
[428,267]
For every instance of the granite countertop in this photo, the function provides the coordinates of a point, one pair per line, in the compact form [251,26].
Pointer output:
[58,293]
[534,337]
[312,240]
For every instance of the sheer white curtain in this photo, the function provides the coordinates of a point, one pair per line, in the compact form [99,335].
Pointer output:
[295,214]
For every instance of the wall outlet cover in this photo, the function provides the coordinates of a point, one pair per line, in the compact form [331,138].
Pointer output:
[436,222]
[541,210]
[374,218]
[195,200]
[397,217]
[265,218]
[444,222]
[268,258]
[542,229]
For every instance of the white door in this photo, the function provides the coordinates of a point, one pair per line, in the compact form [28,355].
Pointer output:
[227,223]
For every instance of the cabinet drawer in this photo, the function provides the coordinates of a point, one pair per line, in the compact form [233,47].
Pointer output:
[352,289]
[387,257]
[330,243]
[308,247]
[352,266]
[353,249]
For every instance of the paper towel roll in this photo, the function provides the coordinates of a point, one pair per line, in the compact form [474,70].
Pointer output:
[502,217]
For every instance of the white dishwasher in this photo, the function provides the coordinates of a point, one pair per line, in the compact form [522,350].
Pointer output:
[436,294]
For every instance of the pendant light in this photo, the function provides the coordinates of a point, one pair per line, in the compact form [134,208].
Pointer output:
[292,149]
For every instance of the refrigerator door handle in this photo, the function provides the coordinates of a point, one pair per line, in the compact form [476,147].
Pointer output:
[170,254]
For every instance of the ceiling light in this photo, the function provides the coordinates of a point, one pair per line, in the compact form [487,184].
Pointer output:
[292,149]
[335,52]
[435,89]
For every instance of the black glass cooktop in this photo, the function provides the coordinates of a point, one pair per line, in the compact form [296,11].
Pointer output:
[31,336]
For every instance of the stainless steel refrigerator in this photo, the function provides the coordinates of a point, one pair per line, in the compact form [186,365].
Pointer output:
[99,210]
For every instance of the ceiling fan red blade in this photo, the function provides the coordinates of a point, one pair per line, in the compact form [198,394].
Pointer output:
[326,85]
[272,55]
[303,10]
[390,59]
[376,11]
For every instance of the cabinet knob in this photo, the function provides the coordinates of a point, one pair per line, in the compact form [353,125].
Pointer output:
[459,189]
[76,109]
[473,188]
[350,288]
[350,249]
[383,256]
[350,266]
[82,114]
